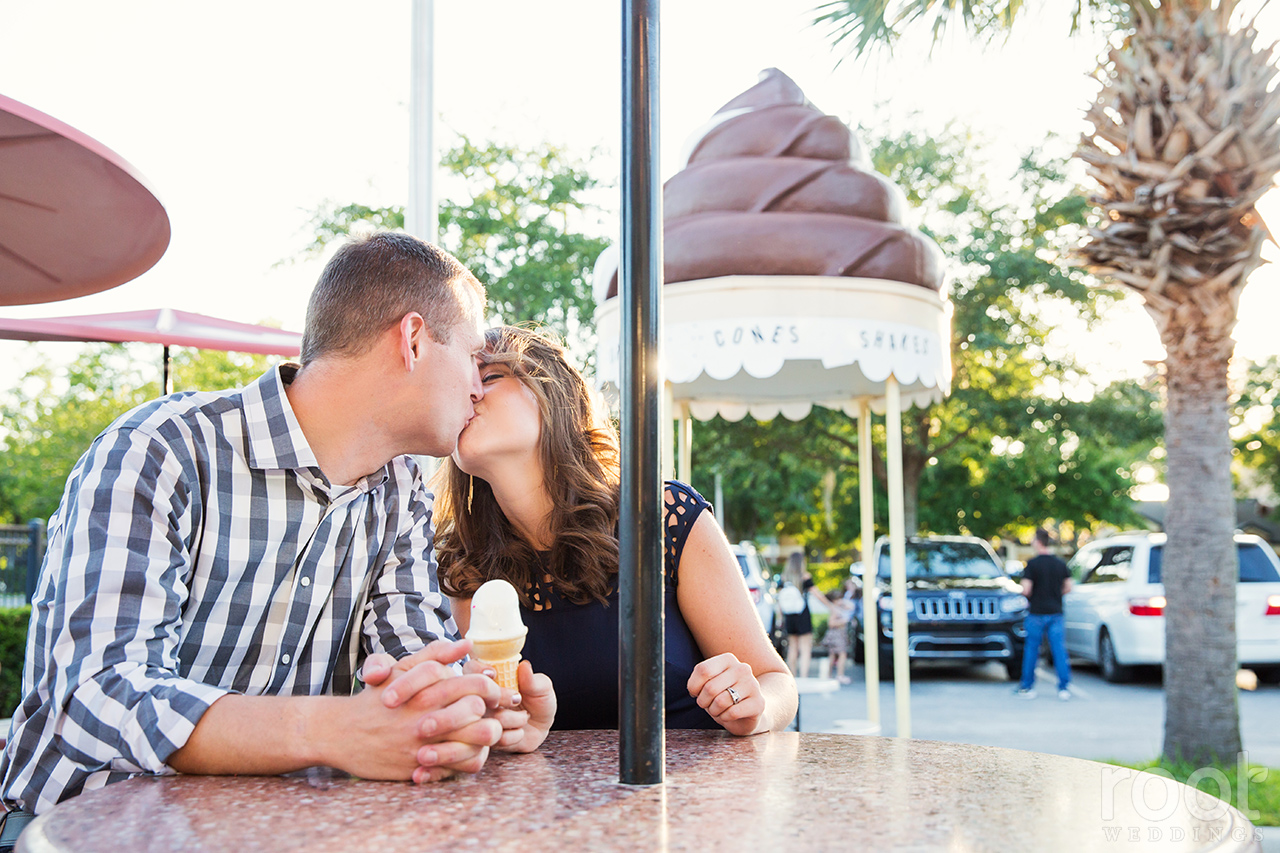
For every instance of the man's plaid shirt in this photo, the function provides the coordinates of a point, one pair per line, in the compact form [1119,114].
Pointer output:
[199,551]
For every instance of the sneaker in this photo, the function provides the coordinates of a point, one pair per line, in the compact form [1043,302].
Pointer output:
[1064,694]
[1025,692]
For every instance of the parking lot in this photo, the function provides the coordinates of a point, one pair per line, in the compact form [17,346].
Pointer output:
[975,704]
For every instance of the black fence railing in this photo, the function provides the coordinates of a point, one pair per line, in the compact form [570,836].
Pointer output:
[21,552]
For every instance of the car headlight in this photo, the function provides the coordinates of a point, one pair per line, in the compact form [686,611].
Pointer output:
[1013,604]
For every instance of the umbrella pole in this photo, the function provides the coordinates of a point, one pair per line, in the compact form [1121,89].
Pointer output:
[420,218]
[166,385]
[870,596]
[641,705]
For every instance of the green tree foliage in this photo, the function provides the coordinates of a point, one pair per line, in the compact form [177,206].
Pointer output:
[13,645]
[1008,449]
[521,219]
[54,415]
[1256,430]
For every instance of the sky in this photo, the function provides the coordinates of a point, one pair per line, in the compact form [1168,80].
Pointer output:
[245,117]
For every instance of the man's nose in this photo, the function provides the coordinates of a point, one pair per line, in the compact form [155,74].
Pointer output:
[477,387]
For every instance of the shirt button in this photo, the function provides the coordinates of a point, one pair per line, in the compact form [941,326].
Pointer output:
[306,581]
[284,659]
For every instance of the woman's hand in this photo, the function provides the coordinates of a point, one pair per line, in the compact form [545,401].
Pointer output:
[538,699]
[526,714]
[730,693]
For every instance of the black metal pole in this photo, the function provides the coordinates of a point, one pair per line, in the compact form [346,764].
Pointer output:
[35,554]
[642,711]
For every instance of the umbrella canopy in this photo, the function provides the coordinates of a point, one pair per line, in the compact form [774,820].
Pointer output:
[157,326]
[75,217]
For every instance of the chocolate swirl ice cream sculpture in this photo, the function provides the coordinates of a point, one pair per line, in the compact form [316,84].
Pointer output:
[773,186]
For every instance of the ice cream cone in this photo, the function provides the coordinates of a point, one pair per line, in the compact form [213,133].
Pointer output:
[504,671]
[503,655]
[497,632]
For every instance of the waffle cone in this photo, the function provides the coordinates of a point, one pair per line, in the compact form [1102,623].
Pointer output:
[504,671]
[503,655]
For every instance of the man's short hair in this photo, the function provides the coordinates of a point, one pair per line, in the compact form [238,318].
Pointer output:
[1043,537]
[371,283]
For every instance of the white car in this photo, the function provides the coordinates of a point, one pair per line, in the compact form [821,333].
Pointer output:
[1114,614]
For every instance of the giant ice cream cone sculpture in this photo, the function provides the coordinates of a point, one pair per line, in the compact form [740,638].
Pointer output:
[772,186]
[496,632]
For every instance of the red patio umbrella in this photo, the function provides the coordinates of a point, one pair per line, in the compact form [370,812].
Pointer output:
[75,217]
[157,326]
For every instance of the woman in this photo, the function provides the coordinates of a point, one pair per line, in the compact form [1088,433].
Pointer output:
[531,496]
[798,619]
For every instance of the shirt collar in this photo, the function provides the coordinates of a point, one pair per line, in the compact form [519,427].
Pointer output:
[276,439]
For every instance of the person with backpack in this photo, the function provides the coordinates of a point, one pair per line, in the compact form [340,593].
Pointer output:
[793,601]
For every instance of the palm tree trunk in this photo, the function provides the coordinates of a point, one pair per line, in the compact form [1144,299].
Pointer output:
[1202,720]
[1184,143]
[913,464]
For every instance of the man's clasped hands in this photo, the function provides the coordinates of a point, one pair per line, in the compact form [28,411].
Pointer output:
[430,722]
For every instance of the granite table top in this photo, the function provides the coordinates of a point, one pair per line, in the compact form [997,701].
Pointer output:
[780,791]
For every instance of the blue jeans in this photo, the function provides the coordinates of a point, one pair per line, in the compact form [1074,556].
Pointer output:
[1039,624]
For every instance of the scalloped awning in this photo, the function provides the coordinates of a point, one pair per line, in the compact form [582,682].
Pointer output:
[770,345]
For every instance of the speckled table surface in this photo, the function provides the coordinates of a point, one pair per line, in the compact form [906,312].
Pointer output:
[781,791]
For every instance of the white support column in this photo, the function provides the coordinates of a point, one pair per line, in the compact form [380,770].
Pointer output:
[897,557]
[719,500]
[420,214]
[870,597]
[667,441]
[685,461]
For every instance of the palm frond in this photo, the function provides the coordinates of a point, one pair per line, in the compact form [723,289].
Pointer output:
[861,27]
[856,25]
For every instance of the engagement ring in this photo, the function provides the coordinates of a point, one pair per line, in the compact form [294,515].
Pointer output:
[733,694]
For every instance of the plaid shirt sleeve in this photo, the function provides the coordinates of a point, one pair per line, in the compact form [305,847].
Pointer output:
[109,611]
[407,609]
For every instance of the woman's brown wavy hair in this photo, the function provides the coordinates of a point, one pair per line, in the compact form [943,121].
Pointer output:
[579,449]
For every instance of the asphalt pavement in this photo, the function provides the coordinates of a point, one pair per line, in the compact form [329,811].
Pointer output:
[1101,722]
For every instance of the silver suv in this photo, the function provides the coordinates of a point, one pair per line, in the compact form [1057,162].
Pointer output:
[761,594]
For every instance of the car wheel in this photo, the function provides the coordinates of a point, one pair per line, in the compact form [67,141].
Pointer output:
[1267,674]
[778,634]
[886,665]
[1112,670]
[1013,668]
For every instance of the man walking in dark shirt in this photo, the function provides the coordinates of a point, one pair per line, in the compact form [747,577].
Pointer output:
[1045,580]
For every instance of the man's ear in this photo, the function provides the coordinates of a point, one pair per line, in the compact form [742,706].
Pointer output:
[412,339]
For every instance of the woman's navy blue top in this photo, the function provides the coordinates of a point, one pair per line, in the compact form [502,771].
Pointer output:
[576,645]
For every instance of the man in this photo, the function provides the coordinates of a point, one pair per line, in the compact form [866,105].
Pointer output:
[220,563]
[1044,581]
